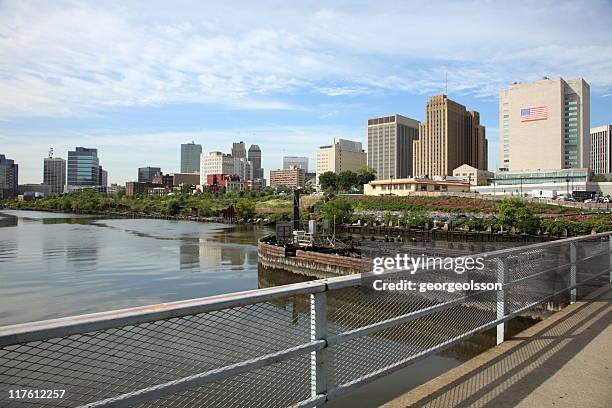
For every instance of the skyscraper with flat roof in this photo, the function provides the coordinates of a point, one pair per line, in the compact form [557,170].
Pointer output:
[54,174]
[390,145]
[83,167]
[215,163]
[190,157]
[239,150]
[9,177]
[545,125]
[601,144]
[341,155]
[450,137]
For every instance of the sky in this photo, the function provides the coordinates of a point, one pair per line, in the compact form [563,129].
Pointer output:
[137,79]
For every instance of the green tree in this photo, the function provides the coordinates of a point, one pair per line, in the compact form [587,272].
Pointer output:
[514,213]
[329,181]
[599,177]
[338,210]
[172,207]
[364,175]
[347,180]
[245,208]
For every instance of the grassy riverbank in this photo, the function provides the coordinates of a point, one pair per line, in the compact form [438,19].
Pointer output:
[475,214]
[264,204]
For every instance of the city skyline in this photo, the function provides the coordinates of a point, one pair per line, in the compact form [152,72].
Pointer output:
[288,84]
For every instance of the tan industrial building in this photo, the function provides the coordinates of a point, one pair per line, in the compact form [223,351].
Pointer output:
[450,136]
[472,175]
[404,187]
[390,140]
[294,177]
[341,155]
[545,125]
[600,149]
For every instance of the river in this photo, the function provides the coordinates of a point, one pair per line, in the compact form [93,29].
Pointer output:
[63,264]
[55,265]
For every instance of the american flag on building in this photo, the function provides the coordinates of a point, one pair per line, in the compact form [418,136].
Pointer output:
[534,113]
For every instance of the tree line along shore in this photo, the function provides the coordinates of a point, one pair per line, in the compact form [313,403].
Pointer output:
[271,205]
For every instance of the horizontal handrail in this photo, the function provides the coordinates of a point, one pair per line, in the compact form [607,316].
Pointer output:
[86,323]
[40,330]
[49,329]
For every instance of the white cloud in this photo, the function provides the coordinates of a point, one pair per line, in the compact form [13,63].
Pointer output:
[67,58]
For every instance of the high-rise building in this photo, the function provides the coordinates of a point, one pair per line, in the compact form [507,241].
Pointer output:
[102,177]
[145,174]
[243,168]
[83,167]
[295,161]
[450,137]
[54,174]
[190,157]
[215,163]
[293,177]
[9,178]
[601,144]
[255,159]
[341,155]
[239,150]
[545,125]
[390,141]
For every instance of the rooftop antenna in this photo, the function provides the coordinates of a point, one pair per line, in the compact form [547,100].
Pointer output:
[446,83]
[50,152]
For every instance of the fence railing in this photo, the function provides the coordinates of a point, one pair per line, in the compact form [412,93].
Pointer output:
[295,345]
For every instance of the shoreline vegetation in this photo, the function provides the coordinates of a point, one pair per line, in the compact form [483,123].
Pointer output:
[269,205]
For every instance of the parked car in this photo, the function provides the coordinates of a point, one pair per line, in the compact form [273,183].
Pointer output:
[589,200]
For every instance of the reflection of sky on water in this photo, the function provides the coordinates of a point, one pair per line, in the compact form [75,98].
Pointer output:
[54,265]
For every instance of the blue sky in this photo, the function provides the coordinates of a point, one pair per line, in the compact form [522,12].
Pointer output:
[136,81]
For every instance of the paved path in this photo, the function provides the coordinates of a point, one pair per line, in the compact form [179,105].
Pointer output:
[563,361]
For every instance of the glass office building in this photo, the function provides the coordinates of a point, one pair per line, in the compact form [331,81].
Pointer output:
[83,167]
[190,157]
[541,177]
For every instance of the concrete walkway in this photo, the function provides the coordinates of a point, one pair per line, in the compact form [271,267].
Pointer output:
[563,361]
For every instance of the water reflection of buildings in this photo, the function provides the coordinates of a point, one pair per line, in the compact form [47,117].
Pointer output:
[200,254]
[81,247]
[189,254]
[8,220]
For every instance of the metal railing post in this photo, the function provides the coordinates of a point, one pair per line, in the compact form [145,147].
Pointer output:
[501,299]
[319,364]
[573,268]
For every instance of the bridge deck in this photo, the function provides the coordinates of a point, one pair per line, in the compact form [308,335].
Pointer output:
[563,361]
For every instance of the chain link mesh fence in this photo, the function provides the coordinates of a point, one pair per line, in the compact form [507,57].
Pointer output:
[101,364]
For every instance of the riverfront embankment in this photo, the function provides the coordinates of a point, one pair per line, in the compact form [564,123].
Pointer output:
[469,214]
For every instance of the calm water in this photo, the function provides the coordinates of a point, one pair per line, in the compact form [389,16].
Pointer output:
[55,265]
